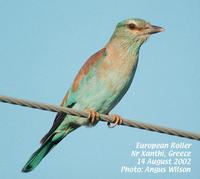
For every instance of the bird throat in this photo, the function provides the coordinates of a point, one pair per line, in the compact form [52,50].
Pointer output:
[125,48]
[122,56]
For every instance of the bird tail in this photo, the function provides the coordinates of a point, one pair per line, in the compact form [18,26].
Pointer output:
[37,156]
[45,148]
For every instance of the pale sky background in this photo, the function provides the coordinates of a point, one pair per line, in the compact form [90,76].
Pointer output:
[42,46]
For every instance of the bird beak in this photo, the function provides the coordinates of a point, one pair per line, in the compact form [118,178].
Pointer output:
[155,29]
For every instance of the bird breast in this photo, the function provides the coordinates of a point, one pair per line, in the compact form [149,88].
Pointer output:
[118,69]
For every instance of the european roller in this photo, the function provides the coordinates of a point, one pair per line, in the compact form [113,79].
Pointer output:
[100,84]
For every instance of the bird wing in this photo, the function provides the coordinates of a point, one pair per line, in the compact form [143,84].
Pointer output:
[91,62]
[69,99]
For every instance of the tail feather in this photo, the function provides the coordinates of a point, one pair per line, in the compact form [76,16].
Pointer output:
[37,156]
[45,148]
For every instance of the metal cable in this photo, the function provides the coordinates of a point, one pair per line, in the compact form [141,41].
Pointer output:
[103,117]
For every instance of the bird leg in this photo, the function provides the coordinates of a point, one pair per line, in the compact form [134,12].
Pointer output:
[93,117]
[116,119]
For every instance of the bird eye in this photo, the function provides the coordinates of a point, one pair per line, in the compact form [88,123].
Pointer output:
[131,26]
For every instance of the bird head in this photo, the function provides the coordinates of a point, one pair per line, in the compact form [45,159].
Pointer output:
[135,30]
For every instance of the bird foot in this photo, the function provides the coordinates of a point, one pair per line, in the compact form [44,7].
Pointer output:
[117,121]
[93,117]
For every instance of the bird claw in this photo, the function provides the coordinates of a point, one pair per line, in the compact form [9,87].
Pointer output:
[117,121]
[93,117]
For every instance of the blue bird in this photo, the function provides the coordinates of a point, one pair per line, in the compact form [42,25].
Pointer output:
[100,84]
